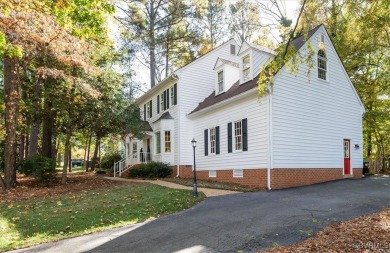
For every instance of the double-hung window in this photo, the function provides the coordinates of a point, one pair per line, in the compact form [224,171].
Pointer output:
[158,143]
[167,141]
[148,112]
[162,101]
[172,94]
[322,68]
[246,68]
[237,135]
[220,81]
[212,140]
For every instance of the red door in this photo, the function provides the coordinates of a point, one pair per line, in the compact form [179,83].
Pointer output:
[347,157]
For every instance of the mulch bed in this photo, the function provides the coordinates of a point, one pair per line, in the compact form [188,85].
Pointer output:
[28,188]
[369,233]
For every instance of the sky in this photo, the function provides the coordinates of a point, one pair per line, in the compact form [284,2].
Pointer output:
[291,8]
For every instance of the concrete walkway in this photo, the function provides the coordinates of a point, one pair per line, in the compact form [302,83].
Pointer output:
[207,191]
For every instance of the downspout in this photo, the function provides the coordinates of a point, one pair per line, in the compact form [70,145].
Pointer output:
[178,126]
[269,167]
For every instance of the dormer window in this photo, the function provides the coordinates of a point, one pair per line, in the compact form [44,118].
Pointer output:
[322,64]
[246,69]
[220,81]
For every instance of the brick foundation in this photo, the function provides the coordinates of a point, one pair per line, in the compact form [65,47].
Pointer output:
[255,178]
[285,178]
[280,178]
[357,173]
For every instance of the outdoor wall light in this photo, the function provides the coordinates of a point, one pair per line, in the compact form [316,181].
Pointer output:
[357,146]
[195,190]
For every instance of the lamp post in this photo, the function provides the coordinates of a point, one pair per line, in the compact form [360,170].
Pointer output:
[195,191]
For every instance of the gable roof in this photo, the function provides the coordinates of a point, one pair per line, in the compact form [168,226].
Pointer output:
[224,61]
[238,89]
[246,45]
[174,76]
[165,115]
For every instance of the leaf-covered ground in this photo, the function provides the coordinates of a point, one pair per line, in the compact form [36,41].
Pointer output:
[370,233]
[33,213]
[28,188]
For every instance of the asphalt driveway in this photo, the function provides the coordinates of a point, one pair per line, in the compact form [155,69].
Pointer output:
[249,221]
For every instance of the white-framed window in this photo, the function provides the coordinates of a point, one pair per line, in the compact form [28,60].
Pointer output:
[322,64]
[232,49]
[238,135]
[238,173]
[135,147]
[220,82]
[167,141]
[212,140]
[172,95]
[322,38]
[158,143]
[212,173]
[246,67]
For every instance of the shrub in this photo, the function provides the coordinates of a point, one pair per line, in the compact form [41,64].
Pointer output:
[40,167]
[151,170]
[109,159]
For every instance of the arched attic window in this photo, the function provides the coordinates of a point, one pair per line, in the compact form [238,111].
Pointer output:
[322,64]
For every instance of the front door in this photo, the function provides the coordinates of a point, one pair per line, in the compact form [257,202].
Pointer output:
[148,156]
[347,157]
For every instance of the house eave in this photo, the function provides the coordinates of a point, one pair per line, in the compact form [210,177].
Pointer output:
[222,103]
[168,79]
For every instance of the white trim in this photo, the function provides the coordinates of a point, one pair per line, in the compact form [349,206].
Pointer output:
[238,173]
[212,173]
[269,167]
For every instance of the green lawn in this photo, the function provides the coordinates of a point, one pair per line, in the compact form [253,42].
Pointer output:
[28,222]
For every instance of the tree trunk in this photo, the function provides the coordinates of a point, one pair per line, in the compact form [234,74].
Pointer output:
[66,157]
[70,160]
[54,145]
[21,146]
[33,147]
[47,129]
[27,143]
[85,152]
[88,152]
[11,99]
[95,153]
[152,46]
[34,133]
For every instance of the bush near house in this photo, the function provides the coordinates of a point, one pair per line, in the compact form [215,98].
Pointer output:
[109,159]
[40,167]
[151,170]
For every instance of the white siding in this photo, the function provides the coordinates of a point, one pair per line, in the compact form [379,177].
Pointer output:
[311,119]
[232,75]
[255,157]
[259,59]
[197,81]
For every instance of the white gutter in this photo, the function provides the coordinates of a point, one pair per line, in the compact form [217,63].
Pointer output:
[269,167]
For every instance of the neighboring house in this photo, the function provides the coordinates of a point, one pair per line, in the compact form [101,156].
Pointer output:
[305,131]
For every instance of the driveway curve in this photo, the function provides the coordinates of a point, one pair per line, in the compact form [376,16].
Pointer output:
[249,222]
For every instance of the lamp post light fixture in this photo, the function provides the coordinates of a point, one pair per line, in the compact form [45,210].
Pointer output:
[195,190]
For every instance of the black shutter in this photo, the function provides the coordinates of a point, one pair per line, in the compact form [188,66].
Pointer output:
[230,141]
[175,94]
[150,108]
[206,142]
[144,111]
[167,98]
[245,135]
[158,104]
[217,140]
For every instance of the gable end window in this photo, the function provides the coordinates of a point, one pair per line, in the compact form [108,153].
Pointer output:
[220,81]
[322,64]
[246,69]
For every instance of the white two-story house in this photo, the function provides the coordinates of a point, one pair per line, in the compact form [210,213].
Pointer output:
[303,131]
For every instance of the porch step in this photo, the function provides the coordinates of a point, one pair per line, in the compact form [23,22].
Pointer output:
[348,176]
